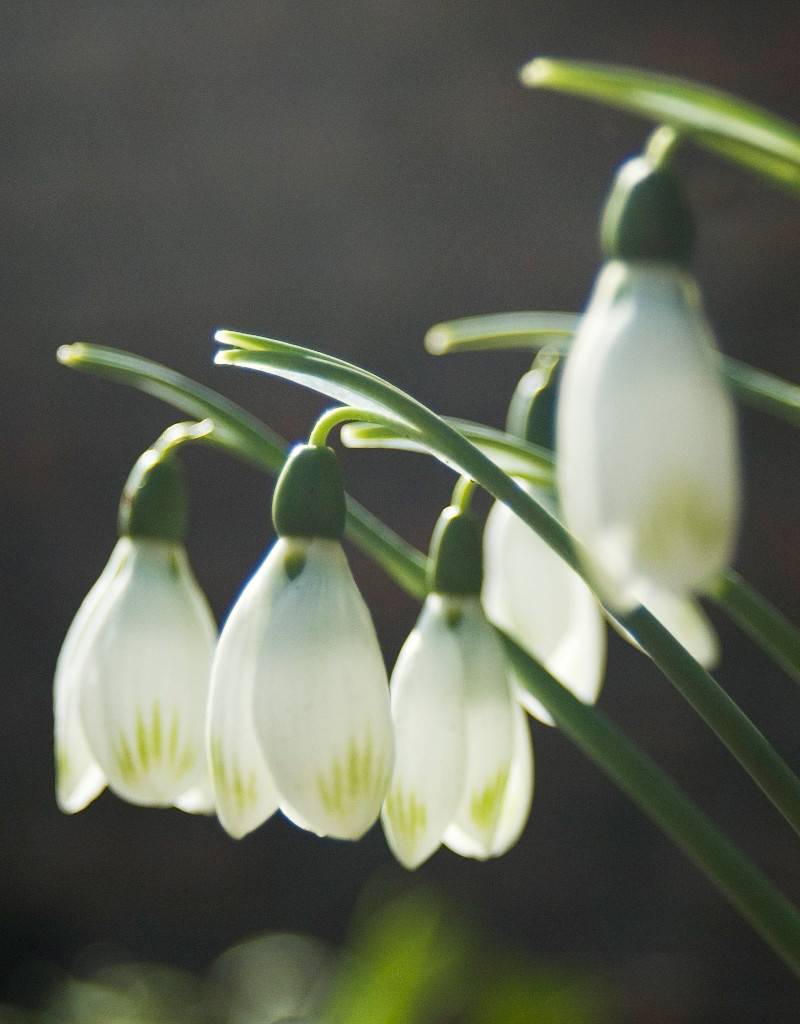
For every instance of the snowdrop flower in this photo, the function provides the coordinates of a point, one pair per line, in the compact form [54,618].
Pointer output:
[530,592]
[648,468]
[132,678]
[299,707]
[464,763]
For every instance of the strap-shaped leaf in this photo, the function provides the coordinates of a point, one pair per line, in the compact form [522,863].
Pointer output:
[533,330]
[349,383]
[737,130]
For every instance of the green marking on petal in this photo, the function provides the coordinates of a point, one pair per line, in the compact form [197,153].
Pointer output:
[680,510]
[172,743]
[231,782]
[62,763]
[407,815]
[141,741]
[484,807]
[155,731]
[187,761]
[357,776]
[218,772]
[123,758]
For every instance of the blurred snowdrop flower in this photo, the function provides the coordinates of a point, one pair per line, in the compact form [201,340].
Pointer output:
[299,707]
[530,592]
[647,466]
[131,681]
[463,773]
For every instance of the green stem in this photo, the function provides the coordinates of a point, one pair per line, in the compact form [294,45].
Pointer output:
[245,436]
[462,493]
[345,382]
[183,433]
[759,619]
[657,796]
[662,145]
[764,391]
[750,136]
[333,418]
[673,812]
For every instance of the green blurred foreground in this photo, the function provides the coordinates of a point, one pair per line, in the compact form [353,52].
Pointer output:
[406,962]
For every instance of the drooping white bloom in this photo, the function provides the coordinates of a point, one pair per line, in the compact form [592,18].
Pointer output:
[647,462]
[530,592]
[131,684]
[464,767]
[685,619]
[299,707]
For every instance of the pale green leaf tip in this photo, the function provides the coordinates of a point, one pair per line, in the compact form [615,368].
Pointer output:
[536,72]
[438,339]
[68,355]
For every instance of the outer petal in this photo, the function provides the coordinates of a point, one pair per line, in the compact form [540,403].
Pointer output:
[536,597]
[245,794]
[647,458]
[321,699]
[489,710]
[685,619]
[146,669]
[427,694]
[516,802]
[79,778]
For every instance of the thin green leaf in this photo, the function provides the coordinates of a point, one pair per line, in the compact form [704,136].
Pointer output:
[348,383]
[673,812]
[515,457]
[732,128]
[246,437]
[759,619]
[524,330]
[505,330]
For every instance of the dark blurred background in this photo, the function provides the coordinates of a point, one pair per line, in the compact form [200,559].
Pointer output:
[343,175]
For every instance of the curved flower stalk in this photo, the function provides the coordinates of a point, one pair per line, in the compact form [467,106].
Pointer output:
[299,709]
[647,467]
[132,678]
[463,773]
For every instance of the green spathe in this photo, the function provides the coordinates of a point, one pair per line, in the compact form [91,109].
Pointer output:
[309,495]
[153,503]
[455,565]
[647,216]
[532,410]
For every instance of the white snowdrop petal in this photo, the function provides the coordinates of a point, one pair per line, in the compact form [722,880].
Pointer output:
[198,800]
[647,460]
[516,802]
[530,592]
[488,723]
[685,619]
[145,677]
[79,778]
[526,584]
[519,791]
[321,699]
[245,794]
[427,698]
